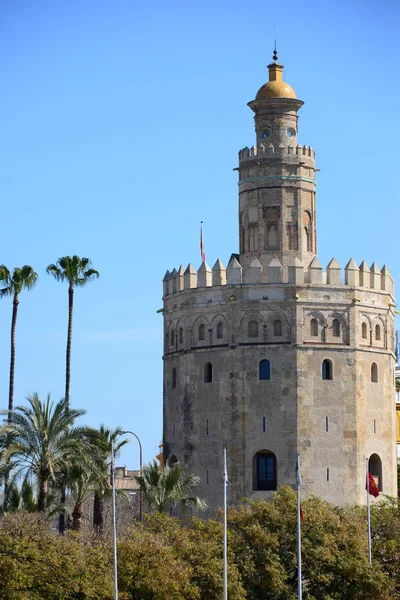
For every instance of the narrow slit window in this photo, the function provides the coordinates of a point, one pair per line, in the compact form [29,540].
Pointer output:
[264,423]
[181,335]
[336,328]
[202,332]
[207,426]
[327,474]
[253,329]
[220,331]
[327,424]
[277,328]
[265,369]
[377,333]
[374,425]
[208,373]
[374,372]
[314,327]
[327,370]
[207,476]
[172,340]
[364,331]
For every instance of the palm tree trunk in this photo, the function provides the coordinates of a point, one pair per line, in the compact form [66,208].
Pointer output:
[98,512]
[77,515]
[42,501]
[12,360]
[11,389]
[61,524]
[69,343]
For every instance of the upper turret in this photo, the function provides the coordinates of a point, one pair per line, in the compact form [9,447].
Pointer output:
[275,108]
[277,208]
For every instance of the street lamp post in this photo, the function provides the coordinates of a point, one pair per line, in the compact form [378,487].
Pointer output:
[140,469]
[114,523]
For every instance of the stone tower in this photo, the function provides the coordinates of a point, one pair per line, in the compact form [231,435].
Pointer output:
[272,356]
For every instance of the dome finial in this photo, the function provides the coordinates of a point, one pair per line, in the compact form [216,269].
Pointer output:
[275,54]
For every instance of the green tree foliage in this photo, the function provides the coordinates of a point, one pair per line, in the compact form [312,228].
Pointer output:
[163,559]
[170,487]
[40,440]
[36,564]
[334,551]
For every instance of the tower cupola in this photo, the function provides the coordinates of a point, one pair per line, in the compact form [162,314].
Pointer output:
[275,87]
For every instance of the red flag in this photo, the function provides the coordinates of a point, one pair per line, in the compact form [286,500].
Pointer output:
[371,486]
[203,254]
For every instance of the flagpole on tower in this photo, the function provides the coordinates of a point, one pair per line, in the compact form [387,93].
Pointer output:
[203,254]
[225,532]
[299,572]
[368,513]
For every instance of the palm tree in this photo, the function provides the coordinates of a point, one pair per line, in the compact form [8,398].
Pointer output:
[77,272]
[14,283]
[80,478]
[42,439]
[102,440]
[170,487]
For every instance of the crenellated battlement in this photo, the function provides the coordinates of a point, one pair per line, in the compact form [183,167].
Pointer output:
[276,152]
[354,276]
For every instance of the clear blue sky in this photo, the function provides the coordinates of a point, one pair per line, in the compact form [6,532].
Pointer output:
[120,124]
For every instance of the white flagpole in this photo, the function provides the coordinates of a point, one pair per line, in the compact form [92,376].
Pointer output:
[114,525]
[299,573]
[225,537]
[368,514]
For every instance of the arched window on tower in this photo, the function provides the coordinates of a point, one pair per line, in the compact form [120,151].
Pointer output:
[265,369]
[336,328]
[327,369]
[277,328]
[202,332]
[220,330]
[253,329]
[208,372]
[375,468]
[364,331]
[264,471]
[377,333]
[314,327]
[272,238]
[181,335]
[307,231]
[374,372]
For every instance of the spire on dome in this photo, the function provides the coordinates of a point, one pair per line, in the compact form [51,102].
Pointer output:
[275,54]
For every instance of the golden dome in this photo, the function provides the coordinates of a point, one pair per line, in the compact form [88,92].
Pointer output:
[275,88]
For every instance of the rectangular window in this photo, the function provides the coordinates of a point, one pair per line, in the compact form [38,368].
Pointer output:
[327,474]
[326,423]
[207,426]
[263,424]
[207,477]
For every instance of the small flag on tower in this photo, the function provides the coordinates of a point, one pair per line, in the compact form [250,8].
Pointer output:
[203,254]
[371,486]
